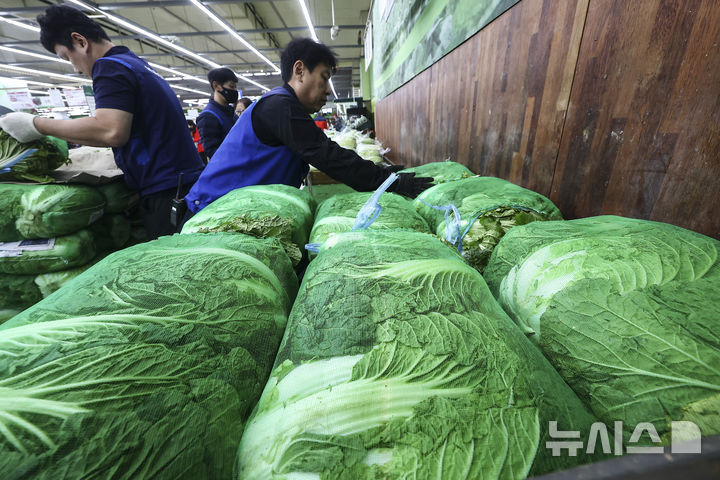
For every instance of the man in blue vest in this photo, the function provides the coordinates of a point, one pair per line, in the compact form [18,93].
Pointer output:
[137,113]
[275,140]
[218,117]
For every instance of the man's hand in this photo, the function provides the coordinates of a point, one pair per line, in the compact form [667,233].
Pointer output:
[20,126]
[409,185]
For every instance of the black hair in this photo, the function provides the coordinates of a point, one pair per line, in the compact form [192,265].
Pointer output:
[60,21]
[245,101]
[221,75]
[311,53]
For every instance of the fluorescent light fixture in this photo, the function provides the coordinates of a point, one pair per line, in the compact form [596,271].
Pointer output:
[157,38]
[34,54]
[189,89]
[306,14]
[31,71]
[177,72]
[20,24]
[233,32]
[38,92]
[137,29]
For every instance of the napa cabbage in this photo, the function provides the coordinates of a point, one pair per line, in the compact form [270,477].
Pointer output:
[488,208]
[44,211]
[147,364]
[337,214]
[626,310]
[265,211]
[45,155]
[398,363]
[441,172]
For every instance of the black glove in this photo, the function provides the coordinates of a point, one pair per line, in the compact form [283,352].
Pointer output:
[395,168]
[409,185]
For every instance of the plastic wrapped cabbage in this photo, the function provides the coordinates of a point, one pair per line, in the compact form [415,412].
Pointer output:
[50,154]
[398,363]
[626,310]
[42,211]
[147,365]
[488,208]
[265,211]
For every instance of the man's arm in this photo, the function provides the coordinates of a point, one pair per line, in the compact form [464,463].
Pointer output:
[210,133]
[278,120]
[108,128]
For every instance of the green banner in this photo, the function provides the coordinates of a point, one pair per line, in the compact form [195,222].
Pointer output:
[411,35]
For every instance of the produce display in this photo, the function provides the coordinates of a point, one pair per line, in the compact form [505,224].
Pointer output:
[488,208]
[50,154]
[337,215]
[32,211]
[441,172]
[398,363]
[265,211]
[626,310]
[147,364]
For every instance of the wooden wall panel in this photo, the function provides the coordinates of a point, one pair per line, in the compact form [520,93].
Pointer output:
[496,103]
[642,135]
[606,106]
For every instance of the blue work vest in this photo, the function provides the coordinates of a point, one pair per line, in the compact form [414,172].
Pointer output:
[225,122]
[243,160]
[160,146]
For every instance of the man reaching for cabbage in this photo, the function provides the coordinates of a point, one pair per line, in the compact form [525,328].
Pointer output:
[276,140]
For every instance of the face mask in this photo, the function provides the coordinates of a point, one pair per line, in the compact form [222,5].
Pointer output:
[230,95]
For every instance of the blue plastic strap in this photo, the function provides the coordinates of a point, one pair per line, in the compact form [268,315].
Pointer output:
[370,211]
[313,247]
[452,225]
[19,158]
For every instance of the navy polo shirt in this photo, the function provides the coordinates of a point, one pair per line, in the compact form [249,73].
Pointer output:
[160,145]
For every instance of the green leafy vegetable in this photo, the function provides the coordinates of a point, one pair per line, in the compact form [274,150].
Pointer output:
[51,153]
[147,364]
[337,215]
[111,232]
[488,208]
[118,198]
[45,211]
[67,252]
[397,363]
[264,211]
[626,310]
[441,172]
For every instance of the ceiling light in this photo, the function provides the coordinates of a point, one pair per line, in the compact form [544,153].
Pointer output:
[189,89]
[178,73]
[157,38]
[34,54]
[20,24]
[31,71]
[306,14]
[232,32]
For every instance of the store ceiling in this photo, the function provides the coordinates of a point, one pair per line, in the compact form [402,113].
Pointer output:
[267,25]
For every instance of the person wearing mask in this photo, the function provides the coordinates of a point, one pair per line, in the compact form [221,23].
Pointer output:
[218,116]
[137,114]
[276,139]
[242,105]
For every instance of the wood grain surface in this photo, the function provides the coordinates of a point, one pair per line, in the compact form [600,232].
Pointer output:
[605,106]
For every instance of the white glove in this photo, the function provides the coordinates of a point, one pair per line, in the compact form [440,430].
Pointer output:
[20,126]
